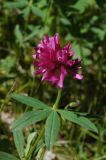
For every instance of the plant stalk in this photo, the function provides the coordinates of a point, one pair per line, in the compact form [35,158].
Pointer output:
[55,106]
[28,157]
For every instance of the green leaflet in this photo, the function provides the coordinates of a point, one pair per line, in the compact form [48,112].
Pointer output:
[78,119]
[7,64]
[37,11]
[32,137]
[16,4]
[26,12]
[51,129]
[7,156]
[30,101]
[19,142]
[18,34]
[30,118]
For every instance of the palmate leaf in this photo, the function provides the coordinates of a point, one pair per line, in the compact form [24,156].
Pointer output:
[7,156]
[51,129]
[19,142]
[81,120]
[29,118]
[30,101]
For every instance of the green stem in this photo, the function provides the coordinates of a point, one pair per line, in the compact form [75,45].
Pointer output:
[55,106]
[30,2]
[28,157]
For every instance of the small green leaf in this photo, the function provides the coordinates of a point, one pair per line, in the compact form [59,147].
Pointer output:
[51,129]
[17,4]
[30,36]
[83,52]
[83,121]
[32,137]
[80,113]
[18,34]
[7,156]
[8,63]
[37,11]
[99,32]
[30,101]
[81,5]
[65,21]
[19,142]
[72,104]
[26,12]
[30,118]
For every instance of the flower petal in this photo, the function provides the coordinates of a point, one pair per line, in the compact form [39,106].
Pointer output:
[53,61]
[77,75]
[63,74]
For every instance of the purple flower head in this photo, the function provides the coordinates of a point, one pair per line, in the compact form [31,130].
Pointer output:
[54,62]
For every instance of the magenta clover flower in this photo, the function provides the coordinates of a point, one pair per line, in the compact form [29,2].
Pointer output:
[54,62]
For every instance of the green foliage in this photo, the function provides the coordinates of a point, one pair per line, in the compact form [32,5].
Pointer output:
[6,156]
[78,119]
[82,5]
[17,4]
[18,34]
[30,101]
[81,22]
[7,63]
[37,12]
[32,137]
[19,142]
[52,125]
[51,129]
[29,118]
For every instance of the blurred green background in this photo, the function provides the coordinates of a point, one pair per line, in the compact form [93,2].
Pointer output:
[81,22]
